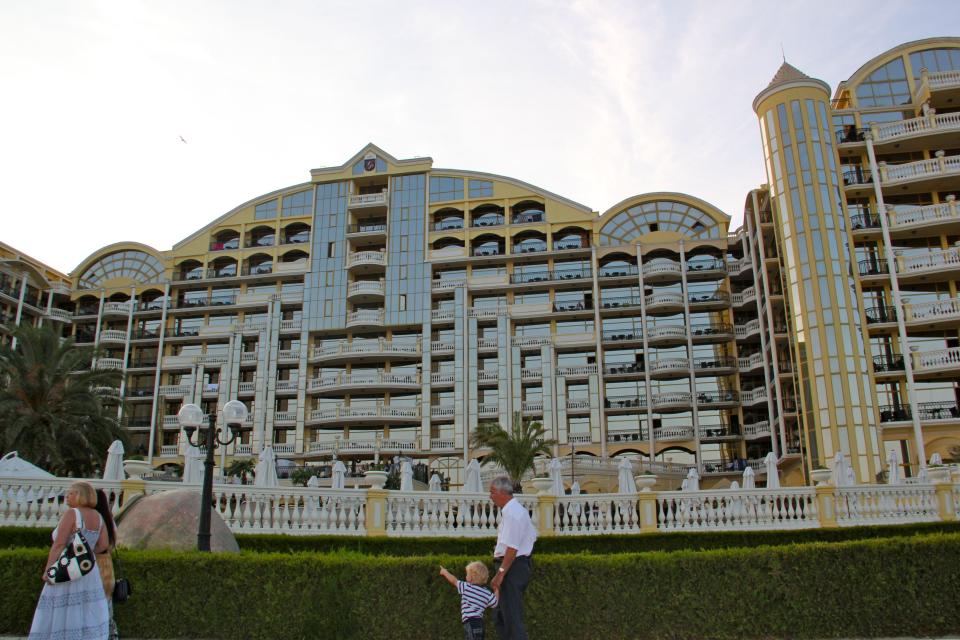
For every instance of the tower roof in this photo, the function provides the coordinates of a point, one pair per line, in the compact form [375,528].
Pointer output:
[787,73]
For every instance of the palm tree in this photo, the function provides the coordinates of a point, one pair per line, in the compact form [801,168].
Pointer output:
[243,467]
[513,451]
[50,407]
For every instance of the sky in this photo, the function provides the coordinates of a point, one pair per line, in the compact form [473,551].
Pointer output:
[146,120]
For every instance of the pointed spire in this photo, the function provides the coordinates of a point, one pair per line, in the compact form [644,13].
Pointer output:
[787,73]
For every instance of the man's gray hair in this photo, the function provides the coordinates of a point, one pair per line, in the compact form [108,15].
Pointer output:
[502,484]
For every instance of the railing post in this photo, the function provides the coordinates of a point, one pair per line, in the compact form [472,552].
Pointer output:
[648,511]
[133,487]
[826,506]
[546,503]
[945,500]
[376,513]
[941,160]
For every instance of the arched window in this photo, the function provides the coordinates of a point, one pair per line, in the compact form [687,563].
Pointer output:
[887,86]
[628,226]
[934,60]
[139,266]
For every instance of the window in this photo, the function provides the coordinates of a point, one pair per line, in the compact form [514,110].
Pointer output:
[328,309]
[445,188]
[265,210]
[296,204]
[329,278]
[331,249]
[403,303]
[481,188]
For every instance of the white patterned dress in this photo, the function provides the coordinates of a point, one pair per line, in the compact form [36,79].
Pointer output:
[75,610]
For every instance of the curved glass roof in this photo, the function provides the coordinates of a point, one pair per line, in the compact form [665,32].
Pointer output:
[627,226]
[136,265]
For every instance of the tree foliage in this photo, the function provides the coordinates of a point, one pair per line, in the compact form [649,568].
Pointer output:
[51,411]
[513,450]
[242,468]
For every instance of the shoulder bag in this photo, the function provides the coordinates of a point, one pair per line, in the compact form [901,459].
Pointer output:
[122,589]
[76,559]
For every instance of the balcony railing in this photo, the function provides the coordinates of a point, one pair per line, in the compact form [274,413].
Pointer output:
[116,307]
[934,361]
[941,165]
[571,305]
[625,402]
[372,226]
[449,225]
[548,276]
[618,272]
[929,261]
[366,257]
[363,347]
[937,310]
[365,317]
[379,379]
[887,363]
[368,200]
[366,287]
[380,411]
[940,122]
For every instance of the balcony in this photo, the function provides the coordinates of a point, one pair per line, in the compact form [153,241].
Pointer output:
[881,315]
[570,306]
[61,315]
[718,399]
[700,269]
[673,434]
[885,364]
[622,335]
[929,314]
[748,363]
[286,386]
[673,400]
[442,314]
[380,381]
[441,379]
[372,350]
[716,300]
[116,308]
[530,247]
[442,444]
[368,228]
[549,276]
[757,430]
[747,295]
[532,406]
[363,445]
[915,133]
[716,366]
[623,302]
[365,290]
[661,270]
[531,374]
[366,259]
[110,363]
[664,302]
[449,224]
[933,174]
[626,403]
[577,371]
[577,405]
[934,364]
[375,414]
[442,411]
[743,331]
[448,285]
[368,200]
[247,387]
[175,390]
[365,318]
[666,334]
[944,263]
[755,396]
[669,368]
[942,87]
[113,335]
[284,417]
[291,325]
[569,245]
[480,252]
[630,369]
[628,271]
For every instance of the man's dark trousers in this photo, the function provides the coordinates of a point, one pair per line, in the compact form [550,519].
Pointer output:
[509,616]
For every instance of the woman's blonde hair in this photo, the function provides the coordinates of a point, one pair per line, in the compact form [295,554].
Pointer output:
[86,494]
[477,573]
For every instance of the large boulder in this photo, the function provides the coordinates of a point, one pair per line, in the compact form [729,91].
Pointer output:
[169,520]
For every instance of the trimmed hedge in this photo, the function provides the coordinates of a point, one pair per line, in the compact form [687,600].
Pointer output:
[893,587]
[483,547]
[601,544]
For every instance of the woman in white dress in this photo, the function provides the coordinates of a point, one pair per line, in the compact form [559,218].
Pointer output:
[76,609]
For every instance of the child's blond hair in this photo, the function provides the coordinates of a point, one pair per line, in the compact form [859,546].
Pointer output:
[477,573]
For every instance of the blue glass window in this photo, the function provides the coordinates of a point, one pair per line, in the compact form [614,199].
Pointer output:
[444,188]
[481,188]
[296,204]
[265,210]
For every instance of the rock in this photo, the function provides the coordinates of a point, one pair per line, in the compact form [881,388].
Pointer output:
[169,520]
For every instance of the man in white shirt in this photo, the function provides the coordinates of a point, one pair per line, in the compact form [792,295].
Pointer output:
[511,559]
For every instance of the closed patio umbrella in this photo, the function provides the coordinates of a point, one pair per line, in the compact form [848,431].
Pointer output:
[406,476]
[556,477]
[936,459]
[694,479]
[435,484]
[473,484]
[266,471]
[893,468]
[749,478]
[840,476]
[625,477]
[773,474]
[339,480]
[113,470]
[192,465]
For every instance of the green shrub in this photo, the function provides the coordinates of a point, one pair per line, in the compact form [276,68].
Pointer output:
[901,586]
[602,544]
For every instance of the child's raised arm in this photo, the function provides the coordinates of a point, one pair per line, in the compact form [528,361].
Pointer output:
[452,579]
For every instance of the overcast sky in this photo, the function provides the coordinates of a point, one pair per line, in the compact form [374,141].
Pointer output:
[596,101]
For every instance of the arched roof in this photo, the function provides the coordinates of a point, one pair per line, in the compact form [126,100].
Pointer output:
[632,218]
[879,61]
[138,262]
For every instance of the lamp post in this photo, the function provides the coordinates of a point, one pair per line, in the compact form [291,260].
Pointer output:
[190,418]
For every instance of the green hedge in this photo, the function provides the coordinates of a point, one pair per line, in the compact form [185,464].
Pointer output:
[602,544]
[892,587]
[482,547]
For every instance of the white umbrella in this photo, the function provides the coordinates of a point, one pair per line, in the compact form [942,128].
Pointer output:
[266,471]
[113,470]
[840,477]
[893,468]
[313,482]
[851,476]
[685,485]
[435,483]
[693,478]
[406,476]
[13,466]
[625,477]
[749,479]
[192,465]
[773,474]
[339,480]
[556,477]
[935,459]
[734,486]
[473,483]
[575,489]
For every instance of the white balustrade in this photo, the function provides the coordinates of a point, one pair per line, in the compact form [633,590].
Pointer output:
[442,443]
[886,504]
[788,508]
[757,429]
[940,166]
[291,510]
[929,261]
[365,316]
[116,307]
[673,433]
[669,364]
[595,514]
[577,370]
[368,200]
[169,450]
[531,374]
[362,347]
[932,311]
[941,79]
[939,360]
[366,287]
[426,513]
[33,502]
[945,122]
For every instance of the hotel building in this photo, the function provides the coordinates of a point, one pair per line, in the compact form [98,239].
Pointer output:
[387,306]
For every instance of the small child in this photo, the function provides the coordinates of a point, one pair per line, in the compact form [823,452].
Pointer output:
[474,598]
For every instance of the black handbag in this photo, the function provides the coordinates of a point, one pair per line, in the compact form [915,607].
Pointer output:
[122,589]
[76,559]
